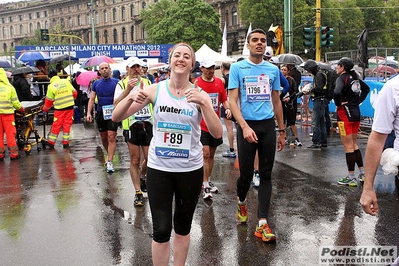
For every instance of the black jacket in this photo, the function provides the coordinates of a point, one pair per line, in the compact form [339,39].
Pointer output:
[22,87]
[343,91]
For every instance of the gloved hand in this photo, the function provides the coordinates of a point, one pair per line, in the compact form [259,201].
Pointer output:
[307,88]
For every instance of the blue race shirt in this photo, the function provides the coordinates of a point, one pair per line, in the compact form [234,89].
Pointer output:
[105,89]
[242,74]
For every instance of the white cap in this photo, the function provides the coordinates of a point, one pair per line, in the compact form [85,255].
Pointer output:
[268,52]
[207,63]
[131,61]
[274,60]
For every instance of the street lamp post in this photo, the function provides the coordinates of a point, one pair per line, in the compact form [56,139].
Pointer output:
[93,30]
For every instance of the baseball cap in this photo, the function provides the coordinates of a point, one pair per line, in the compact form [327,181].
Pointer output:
[207,63]
[131,61]
[274,60]
[268,52]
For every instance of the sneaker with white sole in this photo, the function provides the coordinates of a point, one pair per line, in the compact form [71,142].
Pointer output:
[214,189]
[230,154]
[256,179]
[298,143]
[352,182]
[110,167]
[207,195]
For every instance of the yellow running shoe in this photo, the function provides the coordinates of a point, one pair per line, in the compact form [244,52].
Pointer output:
[242,212]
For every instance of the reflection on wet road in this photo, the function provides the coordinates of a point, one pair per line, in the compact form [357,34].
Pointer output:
[60,207]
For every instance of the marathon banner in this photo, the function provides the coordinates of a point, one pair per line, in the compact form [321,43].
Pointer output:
[83,52]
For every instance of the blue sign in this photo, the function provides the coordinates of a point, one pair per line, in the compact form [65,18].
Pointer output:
[124,51]
[366,107]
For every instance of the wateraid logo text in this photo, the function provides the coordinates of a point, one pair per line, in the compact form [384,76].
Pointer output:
[171,109]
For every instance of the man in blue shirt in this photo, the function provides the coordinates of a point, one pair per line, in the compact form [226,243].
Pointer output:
[254,86]
[104,90]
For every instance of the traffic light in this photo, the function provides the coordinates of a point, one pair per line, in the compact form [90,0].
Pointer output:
[326,36]
[44,34]
[309,37]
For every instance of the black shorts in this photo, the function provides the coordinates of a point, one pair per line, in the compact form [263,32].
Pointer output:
[208,140]
[105,125]
[289,113]
[139,134]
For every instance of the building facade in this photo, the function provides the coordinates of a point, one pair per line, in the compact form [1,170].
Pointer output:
[113,21]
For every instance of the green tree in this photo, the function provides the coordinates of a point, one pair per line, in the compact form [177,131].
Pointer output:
[262,13]
[191,21]
[152,15]
[377,23]
[347,20]
[35,40]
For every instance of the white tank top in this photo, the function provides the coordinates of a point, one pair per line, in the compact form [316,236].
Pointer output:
[175,145]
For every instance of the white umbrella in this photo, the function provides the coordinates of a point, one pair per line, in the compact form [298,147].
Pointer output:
[73,68]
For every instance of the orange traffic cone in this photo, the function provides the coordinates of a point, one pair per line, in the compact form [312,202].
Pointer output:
[236,164]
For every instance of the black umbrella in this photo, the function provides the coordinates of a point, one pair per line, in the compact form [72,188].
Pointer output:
[4,63]
[61,58]
[25,70]
[290,59]
[324,66]
[362,57]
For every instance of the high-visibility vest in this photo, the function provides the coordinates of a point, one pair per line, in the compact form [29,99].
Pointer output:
[8,95]
[61,92]
[126,123]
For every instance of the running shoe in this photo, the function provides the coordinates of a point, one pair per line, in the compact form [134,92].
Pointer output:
[242,212]
[352,182]
[143,183]
[256,179]
[110,167]
[314,147]
[298,143]
[228,153]
[207,195]
[265,233]
[214,189]
[138,199]
[361,178]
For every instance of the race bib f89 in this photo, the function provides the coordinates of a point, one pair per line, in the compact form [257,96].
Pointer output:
[173,140]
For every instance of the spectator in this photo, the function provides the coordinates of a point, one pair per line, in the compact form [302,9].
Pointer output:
[22,87]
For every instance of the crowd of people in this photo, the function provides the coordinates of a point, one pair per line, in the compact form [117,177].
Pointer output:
[172,126]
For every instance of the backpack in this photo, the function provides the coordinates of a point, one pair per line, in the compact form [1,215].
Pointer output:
[331,77]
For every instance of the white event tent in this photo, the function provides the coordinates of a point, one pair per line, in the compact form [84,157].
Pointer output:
[207,53]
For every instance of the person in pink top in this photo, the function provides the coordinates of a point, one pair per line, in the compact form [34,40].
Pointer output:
[215,88]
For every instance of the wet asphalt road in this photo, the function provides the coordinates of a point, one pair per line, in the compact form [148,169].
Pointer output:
[60,207]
